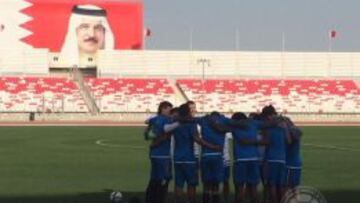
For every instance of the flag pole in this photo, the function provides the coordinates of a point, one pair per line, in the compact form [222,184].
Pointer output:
[237,39]
[146,34]
[191,38]
[144,38]
[283,43]
[237,48]
[331,35]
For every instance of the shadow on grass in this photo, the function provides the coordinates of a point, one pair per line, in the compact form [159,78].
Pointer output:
[338,196]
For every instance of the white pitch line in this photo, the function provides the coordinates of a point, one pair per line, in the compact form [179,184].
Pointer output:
[102,143]
[332,147]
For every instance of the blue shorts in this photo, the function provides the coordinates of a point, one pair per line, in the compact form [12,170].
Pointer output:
[161,169]
[246,172]
[293,178]
[276,174]
[197,159]
[262,172]
[186,173]
[212,169]
[226,173]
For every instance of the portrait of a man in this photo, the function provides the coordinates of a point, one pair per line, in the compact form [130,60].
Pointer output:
[88,31]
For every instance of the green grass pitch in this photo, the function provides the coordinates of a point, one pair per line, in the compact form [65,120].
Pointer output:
[64,164]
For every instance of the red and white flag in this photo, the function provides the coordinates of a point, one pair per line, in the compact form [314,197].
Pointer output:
[332,34]
[147,32]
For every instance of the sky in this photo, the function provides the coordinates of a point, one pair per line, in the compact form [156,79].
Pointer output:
[253,25]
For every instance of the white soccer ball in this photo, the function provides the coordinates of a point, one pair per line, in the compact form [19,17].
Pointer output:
[116,197]
[303,194]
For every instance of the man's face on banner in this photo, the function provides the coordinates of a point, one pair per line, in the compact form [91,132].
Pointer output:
[91,36]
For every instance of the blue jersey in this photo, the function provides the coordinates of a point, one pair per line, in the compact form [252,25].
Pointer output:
[276,150]
[184,143]
[293,158]
[158,123]
[247,152]
[209,134]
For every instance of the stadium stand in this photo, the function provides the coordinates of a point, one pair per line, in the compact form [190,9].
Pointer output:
[141,95]
[129,94]
[40,94]
[292,96]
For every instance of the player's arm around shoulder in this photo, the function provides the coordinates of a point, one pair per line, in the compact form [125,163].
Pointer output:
[217,125]
[149,124]
[159,139]
[288,137]
[168,128]
[246,141]
[268,123]
[204,143]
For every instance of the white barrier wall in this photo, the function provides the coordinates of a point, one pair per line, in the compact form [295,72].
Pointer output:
[188,63]
[24,61]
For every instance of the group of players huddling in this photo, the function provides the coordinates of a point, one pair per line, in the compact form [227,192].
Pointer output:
[266,149]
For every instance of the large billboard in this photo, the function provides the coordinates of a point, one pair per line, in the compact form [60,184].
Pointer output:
[73,30]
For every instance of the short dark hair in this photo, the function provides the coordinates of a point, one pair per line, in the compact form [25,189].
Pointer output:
[184,110]
[268,111]
[215,113]
[255,116]
[239,116]
[272,109]
[163,105]
[174,110]
[190,102]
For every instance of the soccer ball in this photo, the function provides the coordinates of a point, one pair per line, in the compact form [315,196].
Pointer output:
[303,195]
[116,197]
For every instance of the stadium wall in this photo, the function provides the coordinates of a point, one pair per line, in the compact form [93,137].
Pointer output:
[140,63]
[24,61]
[137,119]
[224,63]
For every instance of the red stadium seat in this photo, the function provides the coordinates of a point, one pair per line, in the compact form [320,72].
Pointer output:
[129,95]
[286,95]
[37,94]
